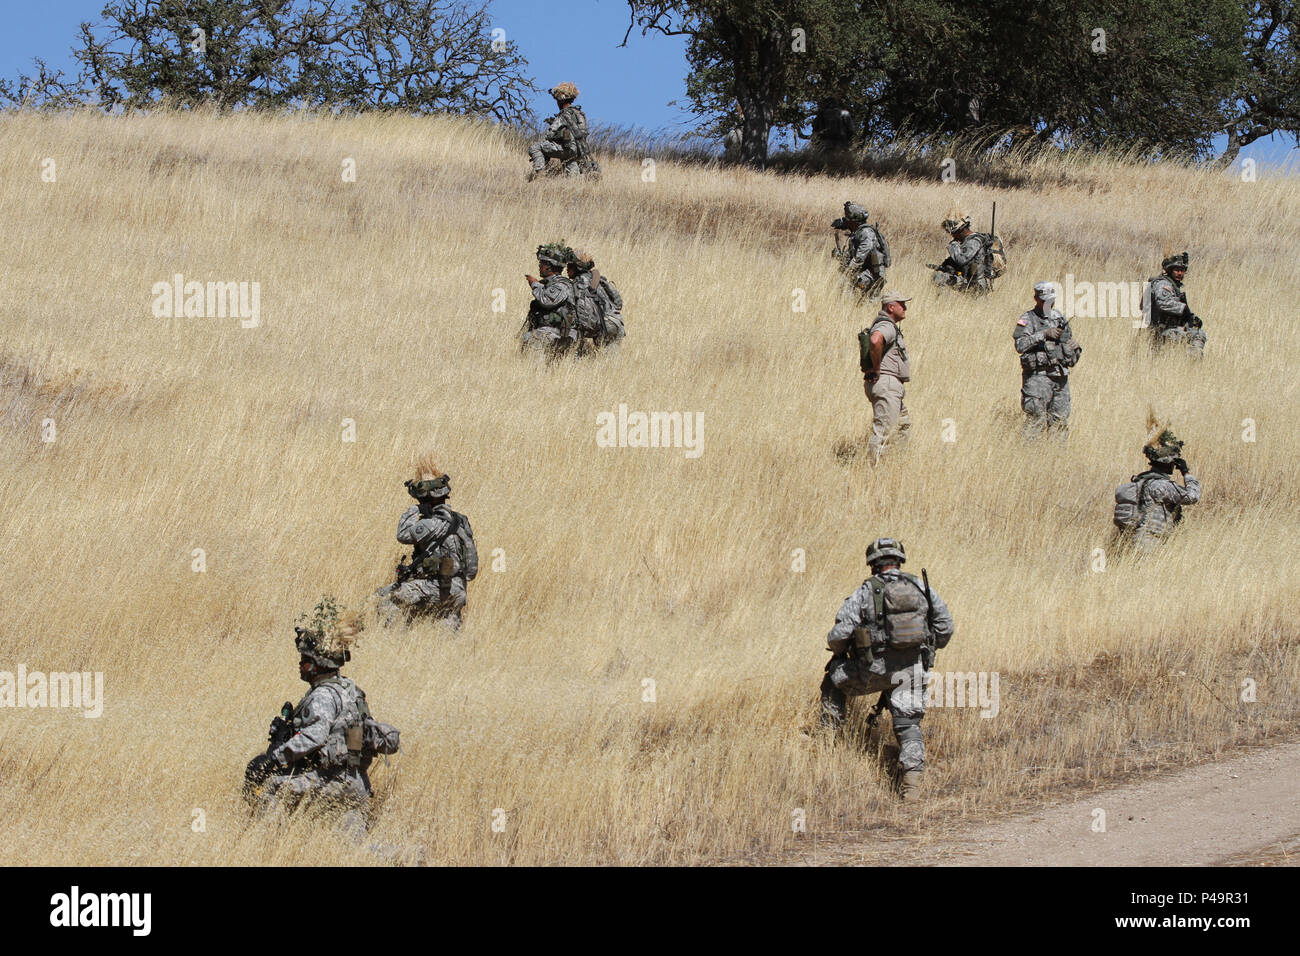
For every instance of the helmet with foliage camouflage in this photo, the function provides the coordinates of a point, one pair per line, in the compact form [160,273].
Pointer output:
[564,91]
[325,637]
[555,254]
[1164,449]
[1175,262]
[885,550]
[958,219]
[430,482]
[582,260]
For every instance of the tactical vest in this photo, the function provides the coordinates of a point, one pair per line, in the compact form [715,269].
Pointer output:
[346,727]
[1159,317]
[355,737]
[445,557]
[900,614]
[563,318]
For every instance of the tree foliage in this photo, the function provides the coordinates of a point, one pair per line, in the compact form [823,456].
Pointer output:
[1164,75]
[416,55]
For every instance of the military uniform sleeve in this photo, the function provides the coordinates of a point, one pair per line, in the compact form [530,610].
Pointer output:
[864,242]
[1170,492]
[416,529]
[963,253]
[1026,337]
[850,617]
[1162,293]
[942,621]
[557,130]
[314,719]
[550,296]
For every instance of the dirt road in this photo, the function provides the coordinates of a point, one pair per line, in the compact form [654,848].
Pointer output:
[1241,811]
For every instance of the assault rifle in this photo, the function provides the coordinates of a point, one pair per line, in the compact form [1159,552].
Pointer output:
[262,767]
[930,650]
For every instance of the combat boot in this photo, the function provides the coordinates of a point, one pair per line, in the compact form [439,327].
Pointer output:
[910,788]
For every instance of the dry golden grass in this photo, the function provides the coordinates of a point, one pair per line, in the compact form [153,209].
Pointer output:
[620,564]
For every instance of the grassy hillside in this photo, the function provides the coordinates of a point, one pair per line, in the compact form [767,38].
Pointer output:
[620,565]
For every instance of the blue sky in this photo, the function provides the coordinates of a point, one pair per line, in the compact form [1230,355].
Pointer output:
[576,40]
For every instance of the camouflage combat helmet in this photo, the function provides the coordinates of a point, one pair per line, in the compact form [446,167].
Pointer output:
[564,91]
[1164,450]
[1175,262]
[957,220]
[555,253]
[430,481]
[309,645]
[435,488]
[583,261]
[324,638]
[883,550]
[855,213]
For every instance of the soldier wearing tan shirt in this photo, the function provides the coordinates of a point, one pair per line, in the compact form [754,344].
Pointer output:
[885,368]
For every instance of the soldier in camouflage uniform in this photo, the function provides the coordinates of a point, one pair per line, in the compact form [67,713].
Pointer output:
[1171,321]
[316,747]
[884,640]
[970,265]
[566,137]
[867,255]
[882,354]
[552,321]
[1160,499]
[1047,353]
[600,317]
[444,558]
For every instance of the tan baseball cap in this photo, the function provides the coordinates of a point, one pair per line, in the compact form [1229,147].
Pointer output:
[893,296]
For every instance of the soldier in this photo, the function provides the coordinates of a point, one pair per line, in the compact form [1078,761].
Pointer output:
[444,558]
[882,354]
[321,750]
[1170,319]
[566,137]
[832,128]
[1047,353]
[867,256]
[552,321]
[596,293]
[972,262]
[1148,506]
[884,639]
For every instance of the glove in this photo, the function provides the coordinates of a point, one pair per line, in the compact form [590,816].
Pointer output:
[1181,465]
[1193,320]
[1053,333]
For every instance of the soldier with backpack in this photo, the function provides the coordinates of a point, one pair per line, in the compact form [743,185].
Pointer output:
[884,640]
[974,259]
[1148,506]
[444,558]
[600,317]
[321,750]
[552,320]
[1170,319]
[566,137]
[1047,353]
[867,256]
[882,355]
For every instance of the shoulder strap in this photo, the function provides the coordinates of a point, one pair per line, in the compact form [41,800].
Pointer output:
[877,598]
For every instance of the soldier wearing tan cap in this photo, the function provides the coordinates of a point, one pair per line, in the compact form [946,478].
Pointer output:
[885,369]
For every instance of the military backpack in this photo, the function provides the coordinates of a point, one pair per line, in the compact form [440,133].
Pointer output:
[1129,500]
[900,613]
